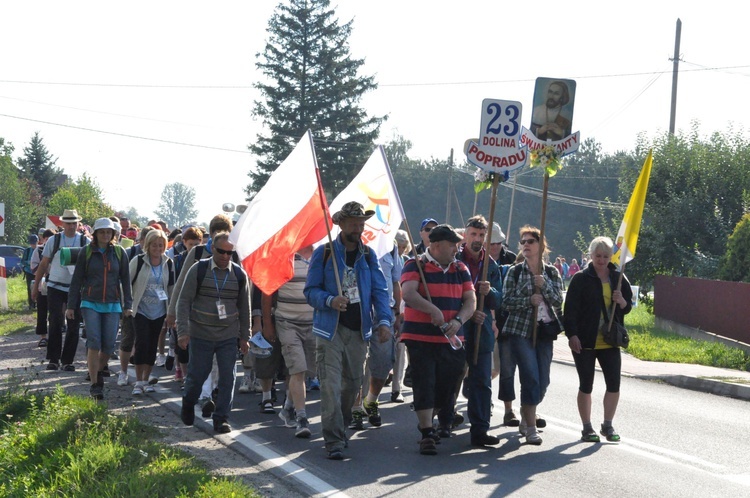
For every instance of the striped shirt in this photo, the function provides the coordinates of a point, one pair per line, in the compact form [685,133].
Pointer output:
[446,291]
[291,304]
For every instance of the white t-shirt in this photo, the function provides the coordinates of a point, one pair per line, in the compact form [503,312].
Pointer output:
[60,276]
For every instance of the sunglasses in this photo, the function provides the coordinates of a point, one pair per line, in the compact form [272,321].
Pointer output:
[530,241]
[427,229]
[222,251]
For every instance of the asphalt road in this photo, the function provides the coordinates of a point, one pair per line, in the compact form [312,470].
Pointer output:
[675,442]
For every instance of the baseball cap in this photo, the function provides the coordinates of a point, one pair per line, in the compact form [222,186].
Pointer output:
[426,221]
[260,347]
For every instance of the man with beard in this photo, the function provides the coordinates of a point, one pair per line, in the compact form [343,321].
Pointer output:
[345,298]
[549,121]
[478,382]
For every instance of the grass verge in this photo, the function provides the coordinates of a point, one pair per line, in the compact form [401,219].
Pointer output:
[18,317]
[652,344]
[62,445]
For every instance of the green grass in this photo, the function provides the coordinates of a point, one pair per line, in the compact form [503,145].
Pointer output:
[652,344]
[62,445]
[18,317]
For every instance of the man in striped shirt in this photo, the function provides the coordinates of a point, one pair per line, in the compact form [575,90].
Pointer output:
[432,319]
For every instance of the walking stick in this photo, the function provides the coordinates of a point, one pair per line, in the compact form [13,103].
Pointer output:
[485,265]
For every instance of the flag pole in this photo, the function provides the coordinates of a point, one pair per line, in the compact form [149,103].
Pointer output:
[406,223]
[486,263]
[541,254]
[326,216]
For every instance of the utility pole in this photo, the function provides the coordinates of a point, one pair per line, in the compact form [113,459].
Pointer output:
[450,189]
[675,70]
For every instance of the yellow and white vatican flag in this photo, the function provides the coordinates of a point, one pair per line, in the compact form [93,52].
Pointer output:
[374,188]
[627,236]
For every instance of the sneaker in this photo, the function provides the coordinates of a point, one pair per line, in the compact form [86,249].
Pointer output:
[335,454]
[178,375]
[169,363]
[610,433]
[444,432]
[247,385]
[533,437]
[122,378]
[105,372]
[160,360]
[510,419]
[222,427]
[208,408]
[373,414]
[314,384]
[590,436]
[396,397]
[187,414]
[458,419]
[484,440]
[137,390]
[68,368]
[257,387]
[53,366]
[427,446]
[96,391]
[153,379]
[267,407]
[42,343]
[540,422]
[303,428]
[148,388]
[288,417]
[358,421]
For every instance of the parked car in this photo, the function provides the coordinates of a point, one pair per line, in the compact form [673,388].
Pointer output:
[12,255]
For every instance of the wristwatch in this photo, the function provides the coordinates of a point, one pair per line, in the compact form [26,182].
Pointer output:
[458,319]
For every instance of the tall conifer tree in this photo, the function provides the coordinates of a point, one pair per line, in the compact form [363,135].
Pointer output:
[312,82]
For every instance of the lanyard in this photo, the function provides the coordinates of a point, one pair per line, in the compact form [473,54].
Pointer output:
[479,272]
[216,282]
[157,277]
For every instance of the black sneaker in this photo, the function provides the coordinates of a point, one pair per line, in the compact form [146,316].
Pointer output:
[187,414]
[222,427]
[105,372]
[169,363]
[484,440]
[303,428]
[208,408]
[373,414]
[396,397]
[336,454]
[96,391]
[68,368]
[458,419]
[52,366]
[358,421]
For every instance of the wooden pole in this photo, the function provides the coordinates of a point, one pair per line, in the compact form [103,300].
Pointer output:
[486,264]
[541,252]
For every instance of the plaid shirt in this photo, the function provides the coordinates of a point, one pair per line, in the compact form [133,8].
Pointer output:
[517,298]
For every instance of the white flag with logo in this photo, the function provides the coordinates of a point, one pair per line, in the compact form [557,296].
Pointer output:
[373,187]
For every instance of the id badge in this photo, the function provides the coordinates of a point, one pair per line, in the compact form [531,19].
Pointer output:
[353,294]
[221,310]
[161,294]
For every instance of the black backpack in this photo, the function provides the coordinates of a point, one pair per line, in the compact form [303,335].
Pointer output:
[203,269]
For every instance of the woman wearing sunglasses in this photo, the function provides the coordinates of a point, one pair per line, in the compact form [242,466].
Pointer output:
[532,297]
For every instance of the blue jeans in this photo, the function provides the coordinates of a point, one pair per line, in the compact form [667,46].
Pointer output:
[199,368]
[507,390]
[101,330]
[533,367]
[479,406]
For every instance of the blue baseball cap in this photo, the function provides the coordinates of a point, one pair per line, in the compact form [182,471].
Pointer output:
[259,346]
[426,221]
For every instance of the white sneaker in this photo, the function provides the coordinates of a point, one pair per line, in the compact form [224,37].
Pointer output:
[149,389]
[122,378]
[533,437]
[247,384]
[257,387]
[137,390]
[160,360]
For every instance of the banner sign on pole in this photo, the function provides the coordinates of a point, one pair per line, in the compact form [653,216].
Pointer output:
[499,148]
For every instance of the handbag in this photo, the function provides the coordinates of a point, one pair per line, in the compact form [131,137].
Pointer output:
[617,335]
[548,331]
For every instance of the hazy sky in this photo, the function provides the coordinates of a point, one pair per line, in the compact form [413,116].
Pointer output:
[140,94]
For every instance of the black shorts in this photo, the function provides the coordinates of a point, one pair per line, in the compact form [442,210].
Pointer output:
[610,362]
[435,371]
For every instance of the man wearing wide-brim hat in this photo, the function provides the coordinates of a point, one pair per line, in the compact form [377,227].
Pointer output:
[58,284]
[343,320]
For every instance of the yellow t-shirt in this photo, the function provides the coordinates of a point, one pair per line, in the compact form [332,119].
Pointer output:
[607,290]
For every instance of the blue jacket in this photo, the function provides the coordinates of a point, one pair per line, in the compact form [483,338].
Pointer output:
[492,301]
[321,288]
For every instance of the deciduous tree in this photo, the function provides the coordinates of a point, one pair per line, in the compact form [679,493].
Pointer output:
[177,206]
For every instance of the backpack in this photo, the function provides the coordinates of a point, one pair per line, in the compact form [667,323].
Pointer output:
[56,244]
[140,263]
[203,269]
[327,253]
[119,251]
